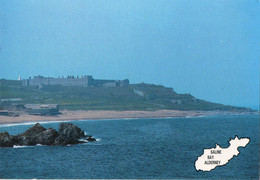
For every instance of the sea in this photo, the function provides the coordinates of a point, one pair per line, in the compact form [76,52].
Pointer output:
[164,148]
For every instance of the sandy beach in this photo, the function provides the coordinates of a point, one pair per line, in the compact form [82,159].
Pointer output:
[107,114]
[101,114]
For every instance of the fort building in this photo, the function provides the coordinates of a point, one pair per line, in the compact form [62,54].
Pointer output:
[42,109]
[84,81]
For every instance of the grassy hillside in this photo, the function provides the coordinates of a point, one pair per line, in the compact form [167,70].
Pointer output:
[133,97]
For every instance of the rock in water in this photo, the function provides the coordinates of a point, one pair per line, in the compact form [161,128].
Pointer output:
[33,131]
[47,137]
[31,136]
[68,133]
[5,140]
[70,130]
[91,139]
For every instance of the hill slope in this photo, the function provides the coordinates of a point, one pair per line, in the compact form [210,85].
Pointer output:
[133,97]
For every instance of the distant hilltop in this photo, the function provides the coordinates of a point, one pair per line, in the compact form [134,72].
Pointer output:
[84,81]
[86,93]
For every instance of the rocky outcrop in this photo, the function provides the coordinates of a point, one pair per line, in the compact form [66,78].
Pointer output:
[6,140]
[31,136]
[91,139]
[47,137]
[68,133]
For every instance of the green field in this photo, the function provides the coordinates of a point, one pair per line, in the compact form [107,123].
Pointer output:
[107,98]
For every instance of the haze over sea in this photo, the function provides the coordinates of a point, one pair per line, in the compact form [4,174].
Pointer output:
[138,148]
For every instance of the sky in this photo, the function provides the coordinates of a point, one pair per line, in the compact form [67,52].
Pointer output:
[207,48]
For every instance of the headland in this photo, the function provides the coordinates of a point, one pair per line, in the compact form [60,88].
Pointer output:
[84,98]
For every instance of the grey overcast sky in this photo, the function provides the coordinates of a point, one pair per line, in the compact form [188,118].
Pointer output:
[208,48]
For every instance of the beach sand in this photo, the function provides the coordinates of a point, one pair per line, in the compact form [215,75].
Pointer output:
[101,114]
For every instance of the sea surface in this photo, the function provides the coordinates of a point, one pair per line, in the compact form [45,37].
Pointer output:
[138,148]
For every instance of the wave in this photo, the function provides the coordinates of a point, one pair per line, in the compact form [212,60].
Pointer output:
[83,140]
[31,123]
[23,146]
[39,145]
[17,146]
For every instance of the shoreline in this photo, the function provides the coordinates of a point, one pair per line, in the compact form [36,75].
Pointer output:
[108,115]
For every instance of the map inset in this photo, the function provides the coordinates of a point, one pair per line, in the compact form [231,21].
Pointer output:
[211,158]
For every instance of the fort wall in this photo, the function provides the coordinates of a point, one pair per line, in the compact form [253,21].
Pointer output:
[84,81]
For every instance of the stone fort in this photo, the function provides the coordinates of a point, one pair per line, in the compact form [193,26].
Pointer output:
[84,81]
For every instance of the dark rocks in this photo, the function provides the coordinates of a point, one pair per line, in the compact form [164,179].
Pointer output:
[68,133]
[47,137]
[33,131]
[31,136]
[5,140]
[91,139]
[70,130]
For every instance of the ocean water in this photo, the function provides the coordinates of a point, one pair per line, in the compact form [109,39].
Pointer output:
[139,148]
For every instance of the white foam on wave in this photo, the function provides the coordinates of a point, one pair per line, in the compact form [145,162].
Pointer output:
[39,145]
[30,123]
[83,140]
[17,146]
[198,116]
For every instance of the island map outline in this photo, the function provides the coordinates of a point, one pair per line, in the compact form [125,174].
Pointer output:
[214,157]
